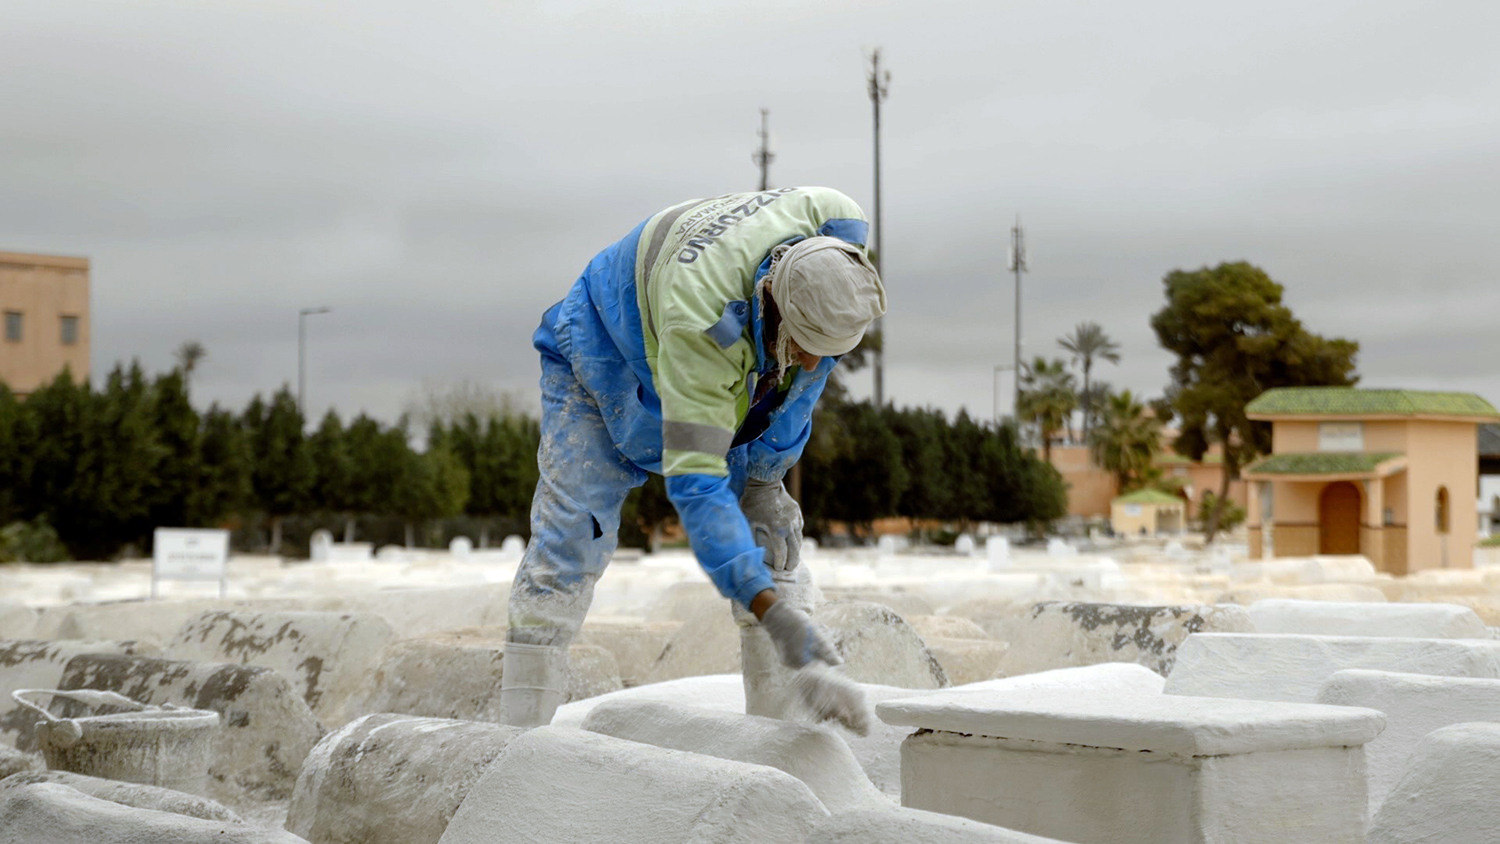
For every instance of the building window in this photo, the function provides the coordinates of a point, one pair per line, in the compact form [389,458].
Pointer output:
[1442,509]
[70,331]
[13,326]
[1341,436]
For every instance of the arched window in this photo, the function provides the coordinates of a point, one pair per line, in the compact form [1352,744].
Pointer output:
[1442,509]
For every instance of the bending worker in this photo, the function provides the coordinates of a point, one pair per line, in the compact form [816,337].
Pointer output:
[696,348]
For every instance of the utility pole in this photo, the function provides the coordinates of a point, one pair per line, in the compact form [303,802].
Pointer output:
[302,316]
[879,86]
[763,156]
[1018,266]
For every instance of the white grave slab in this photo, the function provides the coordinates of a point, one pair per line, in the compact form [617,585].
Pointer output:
[1338,618]
[1102,768]
[1414,705]
[553,784]
[1446,795]
[913,826]
[1267,666]
[817,757]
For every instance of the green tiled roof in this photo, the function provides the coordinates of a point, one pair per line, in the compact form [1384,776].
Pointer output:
[1352,401]
[1175,459]
[1149,496]
[1321,463]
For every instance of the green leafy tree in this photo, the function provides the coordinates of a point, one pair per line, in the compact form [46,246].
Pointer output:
[870,474]
[377,457]
[333,484]
[499,452]
[1088,343]
[31,542]
[1234,339]
[224,464]
[283,474]
[970,490]
[93,460]
[647,514]
[179,471]
[189,355]
[14,464]
[1048,400]
[921,433]
[1018,487]
[1231,515]
[1096,397]
[1127,441]
[434,485]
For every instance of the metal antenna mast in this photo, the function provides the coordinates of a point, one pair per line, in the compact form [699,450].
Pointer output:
[1018,266]
[879,86]
[763,156]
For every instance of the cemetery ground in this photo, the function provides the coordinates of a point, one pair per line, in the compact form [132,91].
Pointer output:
[1101,693]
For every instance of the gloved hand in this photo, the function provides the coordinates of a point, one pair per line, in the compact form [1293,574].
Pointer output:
[830,696]
[796,637]
[775,520]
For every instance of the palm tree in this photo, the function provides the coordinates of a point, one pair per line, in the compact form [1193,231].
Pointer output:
[1096,399]
[1127,440]
[189,355]
[1048,399]
[1089,343]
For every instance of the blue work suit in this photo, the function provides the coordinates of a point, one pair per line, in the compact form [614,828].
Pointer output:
[601,433]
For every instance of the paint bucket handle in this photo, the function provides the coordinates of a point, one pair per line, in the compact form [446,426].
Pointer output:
[91,697]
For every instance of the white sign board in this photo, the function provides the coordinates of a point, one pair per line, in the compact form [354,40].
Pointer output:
[1341,436]
[190,554]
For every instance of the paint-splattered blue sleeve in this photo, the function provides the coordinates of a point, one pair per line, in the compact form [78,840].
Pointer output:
[720,536]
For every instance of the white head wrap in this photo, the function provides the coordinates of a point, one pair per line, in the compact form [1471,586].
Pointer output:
[827,292]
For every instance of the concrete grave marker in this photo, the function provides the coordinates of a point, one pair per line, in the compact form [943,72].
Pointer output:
[1294,668]
[599,788]
[1104,768]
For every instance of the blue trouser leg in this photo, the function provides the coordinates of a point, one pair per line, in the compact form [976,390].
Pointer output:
[575,514]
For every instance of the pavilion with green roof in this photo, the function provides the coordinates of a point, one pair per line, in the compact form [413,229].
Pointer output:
[1147,511]
[1389,474]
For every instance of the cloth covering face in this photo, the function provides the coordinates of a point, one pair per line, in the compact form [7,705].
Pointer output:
[828,293]
[651,364]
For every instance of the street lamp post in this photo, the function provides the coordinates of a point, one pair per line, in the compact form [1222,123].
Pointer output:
[879,88]
[302,316]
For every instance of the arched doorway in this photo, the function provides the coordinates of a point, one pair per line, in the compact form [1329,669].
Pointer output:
[1338,519]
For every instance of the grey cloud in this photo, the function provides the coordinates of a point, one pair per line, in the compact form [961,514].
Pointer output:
[440,176]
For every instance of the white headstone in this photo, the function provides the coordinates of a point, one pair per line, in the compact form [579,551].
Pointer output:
[460,546]
[997,551]
[887,546]
[964,546]
[320,545]
[809,547]
[1175,551]
[1060,548]
[513,547]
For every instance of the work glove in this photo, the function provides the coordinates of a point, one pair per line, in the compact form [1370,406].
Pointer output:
[796,637]
[776,522]
[830,696]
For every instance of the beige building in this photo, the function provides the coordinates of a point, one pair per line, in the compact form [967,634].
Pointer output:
[1147,512]
[1390,474]
[44,319]
[1092,490]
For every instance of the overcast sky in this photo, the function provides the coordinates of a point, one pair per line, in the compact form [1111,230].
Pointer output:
[439,173]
